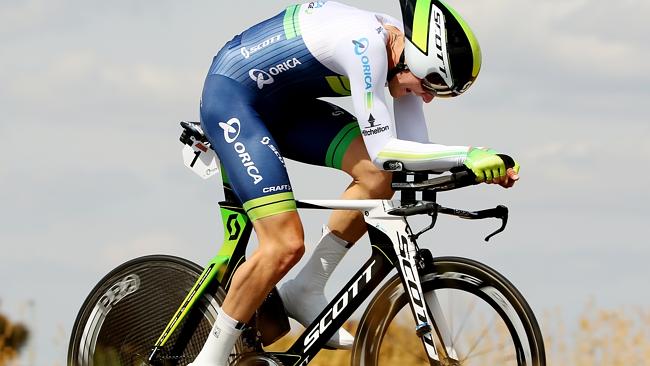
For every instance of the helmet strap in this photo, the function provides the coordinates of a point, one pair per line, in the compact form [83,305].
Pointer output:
[400,67]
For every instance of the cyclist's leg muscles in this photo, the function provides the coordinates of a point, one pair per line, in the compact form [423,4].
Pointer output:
[321,133]
[259,178]
[368,182]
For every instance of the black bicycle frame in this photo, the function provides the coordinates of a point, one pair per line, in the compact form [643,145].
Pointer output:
[345,303]
[220,270]
[238,227]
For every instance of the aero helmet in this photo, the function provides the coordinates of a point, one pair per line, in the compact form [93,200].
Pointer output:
[439,48]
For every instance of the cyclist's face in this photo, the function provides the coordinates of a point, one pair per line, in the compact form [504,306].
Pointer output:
[406,83]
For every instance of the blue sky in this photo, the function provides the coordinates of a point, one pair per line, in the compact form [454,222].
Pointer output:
[91,173]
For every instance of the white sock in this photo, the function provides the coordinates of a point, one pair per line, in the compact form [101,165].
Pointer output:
[220,342]
[304,296]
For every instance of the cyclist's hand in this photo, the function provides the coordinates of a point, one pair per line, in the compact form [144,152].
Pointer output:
[488,167]
[512,175]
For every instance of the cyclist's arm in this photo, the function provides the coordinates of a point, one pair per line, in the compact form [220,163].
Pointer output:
[410,123]
[367,82]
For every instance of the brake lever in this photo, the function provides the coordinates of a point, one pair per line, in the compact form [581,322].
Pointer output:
[434,217]
[499,212]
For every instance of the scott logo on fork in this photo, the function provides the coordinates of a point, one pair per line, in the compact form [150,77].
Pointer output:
[409,271]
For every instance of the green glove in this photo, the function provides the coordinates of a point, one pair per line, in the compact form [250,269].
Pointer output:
[486,164]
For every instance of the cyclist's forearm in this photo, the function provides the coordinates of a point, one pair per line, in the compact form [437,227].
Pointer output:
[421,156]
[364,61]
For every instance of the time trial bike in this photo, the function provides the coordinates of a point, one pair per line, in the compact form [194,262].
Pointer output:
[158,310]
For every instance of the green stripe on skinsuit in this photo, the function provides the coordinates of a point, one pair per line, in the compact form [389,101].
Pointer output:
[270,205]
[340,144]
[296,21]
[289,32]
[224,175]
[339,84]
[271,209]
[369,97]
[420,156]
[291,28]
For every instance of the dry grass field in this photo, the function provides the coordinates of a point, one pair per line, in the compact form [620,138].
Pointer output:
[601,337]
[13,337]
[598,337]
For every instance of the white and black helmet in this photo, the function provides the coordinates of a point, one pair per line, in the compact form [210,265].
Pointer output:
[440,48]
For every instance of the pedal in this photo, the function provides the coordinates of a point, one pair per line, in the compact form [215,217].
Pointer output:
[271,318]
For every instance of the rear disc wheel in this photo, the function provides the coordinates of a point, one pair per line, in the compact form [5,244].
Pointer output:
[128,310]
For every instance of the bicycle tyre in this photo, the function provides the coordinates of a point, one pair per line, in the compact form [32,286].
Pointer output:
[126,312]
[460,276]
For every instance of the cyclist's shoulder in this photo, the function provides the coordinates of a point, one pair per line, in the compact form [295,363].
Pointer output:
[338,17]
[335,27]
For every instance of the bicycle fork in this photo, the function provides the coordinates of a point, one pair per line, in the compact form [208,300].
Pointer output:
[427,312]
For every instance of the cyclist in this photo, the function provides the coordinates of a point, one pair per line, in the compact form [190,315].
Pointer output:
[259,105]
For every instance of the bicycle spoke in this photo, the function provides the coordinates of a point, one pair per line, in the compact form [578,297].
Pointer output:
[462,326]
[414,356]
[451,320]
[479,339]
[500,347]
[479,335]
[502,360]
[401,342]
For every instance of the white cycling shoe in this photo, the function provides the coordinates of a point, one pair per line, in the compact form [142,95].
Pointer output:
[304,305]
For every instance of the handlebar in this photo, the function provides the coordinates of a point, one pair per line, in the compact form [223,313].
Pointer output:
[433,209]
[192,130]
[455,180]
[460,177]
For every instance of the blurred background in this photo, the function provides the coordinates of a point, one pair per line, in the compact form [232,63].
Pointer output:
[91,93]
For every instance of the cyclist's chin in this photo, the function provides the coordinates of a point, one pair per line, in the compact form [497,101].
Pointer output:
[427,98]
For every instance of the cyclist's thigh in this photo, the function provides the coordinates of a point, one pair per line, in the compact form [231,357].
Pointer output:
[246,148]
[314,131]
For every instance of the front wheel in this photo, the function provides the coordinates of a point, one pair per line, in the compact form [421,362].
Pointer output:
[486,320]
[128,310]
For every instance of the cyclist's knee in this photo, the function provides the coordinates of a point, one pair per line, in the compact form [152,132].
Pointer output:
[283,251]
[376,183]
[288,253]
[281,240]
